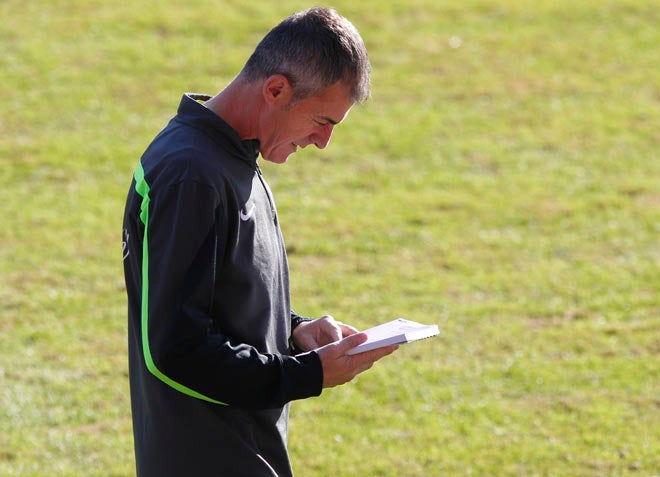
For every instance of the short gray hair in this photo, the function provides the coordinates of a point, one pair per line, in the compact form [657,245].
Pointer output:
[314,49]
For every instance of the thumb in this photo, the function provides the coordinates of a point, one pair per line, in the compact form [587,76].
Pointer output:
[351,342]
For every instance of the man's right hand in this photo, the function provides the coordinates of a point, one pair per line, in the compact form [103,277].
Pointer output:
[340,368]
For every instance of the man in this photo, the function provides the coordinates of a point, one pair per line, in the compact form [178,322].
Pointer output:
[215,352]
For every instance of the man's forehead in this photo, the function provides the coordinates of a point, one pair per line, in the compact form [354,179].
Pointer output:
[336,103]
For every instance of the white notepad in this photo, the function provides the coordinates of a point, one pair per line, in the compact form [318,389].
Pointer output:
[399,331]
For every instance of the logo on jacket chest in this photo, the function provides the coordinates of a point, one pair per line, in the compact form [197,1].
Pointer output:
[247,212]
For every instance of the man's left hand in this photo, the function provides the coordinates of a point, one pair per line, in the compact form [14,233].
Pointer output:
[310,335]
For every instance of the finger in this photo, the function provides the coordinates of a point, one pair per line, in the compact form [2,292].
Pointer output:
[376,354]
[333,331]
[307,342]
[385,351]
[351,342]
[347,330]
[330,328]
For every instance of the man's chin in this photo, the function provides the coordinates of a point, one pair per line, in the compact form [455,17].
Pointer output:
[277,158]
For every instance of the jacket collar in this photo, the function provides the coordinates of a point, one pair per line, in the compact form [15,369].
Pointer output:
[194,113]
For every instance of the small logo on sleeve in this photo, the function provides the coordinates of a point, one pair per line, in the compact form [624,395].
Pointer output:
[124,244]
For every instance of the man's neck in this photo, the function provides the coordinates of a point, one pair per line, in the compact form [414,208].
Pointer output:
[239,105]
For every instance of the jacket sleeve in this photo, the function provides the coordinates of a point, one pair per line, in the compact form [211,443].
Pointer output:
[179,343]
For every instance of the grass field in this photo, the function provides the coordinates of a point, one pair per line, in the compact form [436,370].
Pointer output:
[503,182]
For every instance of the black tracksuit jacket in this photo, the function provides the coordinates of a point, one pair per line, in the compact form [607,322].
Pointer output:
[211,371]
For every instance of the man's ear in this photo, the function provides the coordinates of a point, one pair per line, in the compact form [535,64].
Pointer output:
[277,90]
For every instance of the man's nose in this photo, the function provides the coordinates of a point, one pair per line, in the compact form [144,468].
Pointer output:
[322,136]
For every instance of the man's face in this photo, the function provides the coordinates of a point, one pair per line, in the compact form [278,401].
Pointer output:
[309,121]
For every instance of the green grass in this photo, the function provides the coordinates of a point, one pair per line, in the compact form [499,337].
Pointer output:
[503,182]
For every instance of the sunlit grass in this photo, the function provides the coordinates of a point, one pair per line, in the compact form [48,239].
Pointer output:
[502,182]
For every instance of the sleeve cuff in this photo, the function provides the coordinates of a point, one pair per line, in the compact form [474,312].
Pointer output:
[297,319]
[306,375]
